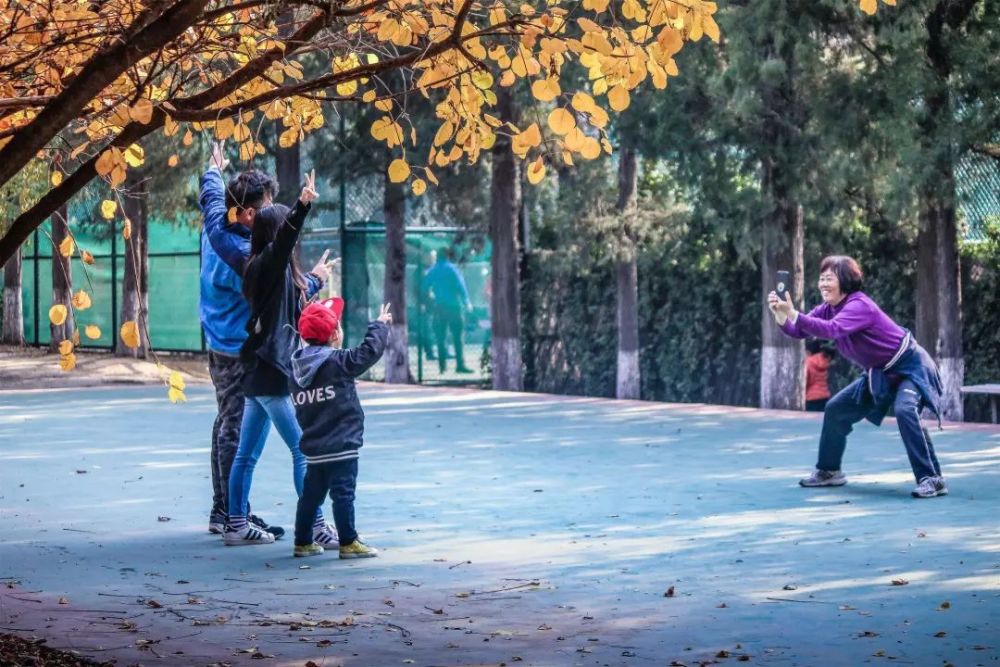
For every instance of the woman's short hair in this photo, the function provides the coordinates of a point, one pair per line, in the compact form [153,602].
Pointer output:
[847,270]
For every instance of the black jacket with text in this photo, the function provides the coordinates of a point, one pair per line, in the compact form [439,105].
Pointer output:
[326,398]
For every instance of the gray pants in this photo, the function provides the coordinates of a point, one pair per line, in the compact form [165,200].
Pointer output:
[227,376]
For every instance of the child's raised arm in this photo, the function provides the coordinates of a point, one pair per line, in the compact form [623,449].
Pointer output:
[359,359]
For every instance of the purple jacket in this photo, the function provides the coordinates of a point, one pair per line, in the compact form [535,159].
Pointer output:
[861,331]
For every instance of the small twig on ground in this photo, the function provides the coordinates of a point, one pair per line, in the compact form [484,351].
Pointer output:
[248,604]
[464,562]
[806,601]
[79,530]
[532,583]
[244,581]
[119,595]
[24,599]
[408,583]
[499,597]
[18,629]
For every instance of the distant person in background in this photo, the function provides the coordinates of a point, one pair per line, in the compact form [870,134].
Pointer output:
[445,286]
[426,322]
[898,374]
[817,367]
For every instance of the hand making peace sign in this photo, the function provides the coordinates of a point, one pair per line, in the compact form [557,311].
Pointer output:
[309,190]
[384,315]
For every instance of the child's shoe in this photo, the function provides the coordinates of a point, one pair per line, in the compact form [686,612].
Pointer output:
[246,536]
[326,535]
[358,549]
[305,550]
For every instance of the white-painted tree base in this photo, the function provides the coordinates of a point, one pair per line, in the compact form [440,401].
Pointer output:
[952,370]
[397,360]
[628,379]
[508,373]
[782,378]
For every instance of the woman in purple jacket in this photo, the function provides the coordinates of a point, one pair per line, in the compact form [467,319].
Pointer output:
[898,374]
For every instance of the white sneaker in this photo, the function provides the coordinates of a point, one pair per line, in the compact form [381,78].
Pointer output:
[216,527]
[824,478]
[930,487]
[326,536]
[248,535]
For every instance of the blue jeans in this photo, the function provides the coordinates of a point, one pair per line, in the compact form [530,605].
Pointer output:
[259,412]
[842,412]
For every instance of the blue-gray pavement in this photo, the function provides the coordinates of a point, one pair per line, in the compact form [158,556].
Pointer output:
[514,529]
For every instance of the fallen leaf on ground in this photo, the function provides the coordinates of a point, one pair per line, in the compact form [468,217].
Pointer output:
[669,593]
[789,587]
[899,582]
[163,518]
[154,604]
[722,654]
[63,601]
[945,605]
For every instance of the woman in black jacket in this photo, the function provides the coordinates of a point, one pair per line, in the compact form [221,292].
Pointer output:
[276,290]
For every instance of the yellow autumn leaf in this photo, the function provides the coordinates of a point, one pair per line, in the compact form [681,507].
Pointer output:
[67,362]
[419,186]
[105,163]
[127,229]
[57,314]
[869,6]
[173,160]
[56,178]
[546,90]
[399,170]
[66,347]
[88,257]
[129,333]
[134,155]
[176,380]
[66,246]
[92,331]
[188,138]
[142,112]
[176,395]
[108,208]
[618,98]
[81,300]
[536,171]
[231,214]
[561,121]
[590,150]
[482,79]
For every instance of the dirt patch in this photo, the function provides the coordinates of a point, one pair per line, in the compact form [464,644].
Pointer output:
[21,652]
[34,368]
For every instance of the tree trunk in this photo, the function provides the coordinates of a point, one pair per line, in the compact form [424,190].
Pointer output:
[62,280]
[397,359]
[782,359]
[627,383]
[939,295]
[135,278]
[13,308]
[505,304]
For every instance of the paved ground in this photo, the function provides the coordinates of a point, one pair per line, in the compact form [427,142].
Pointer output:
[515,528]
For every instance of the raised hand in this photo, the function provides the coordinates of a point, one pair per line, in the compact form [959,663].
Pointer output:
[324,268]
[309,190]
[219,155]
[384,315]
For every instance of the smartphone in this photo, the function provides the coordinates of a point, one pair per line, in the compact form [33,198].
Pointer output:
[783,280]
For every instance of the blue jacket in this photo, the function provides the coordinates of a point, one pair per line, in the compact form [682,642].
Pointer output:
[326,399]
[225,248]
[446,285]
[222,309]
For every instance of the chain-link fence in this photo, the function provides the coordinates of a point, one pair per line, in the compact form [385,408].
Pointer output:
[174,267]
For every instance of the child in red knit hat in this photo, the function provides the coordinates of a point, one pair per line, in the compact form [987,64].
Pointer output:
[332,421]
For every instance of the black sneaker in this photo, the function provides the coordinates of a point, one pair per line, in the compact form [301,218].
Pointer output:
[277,531]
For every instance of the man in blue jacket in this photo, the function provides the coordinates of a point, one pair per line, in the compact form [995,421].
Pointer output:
[224,312]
